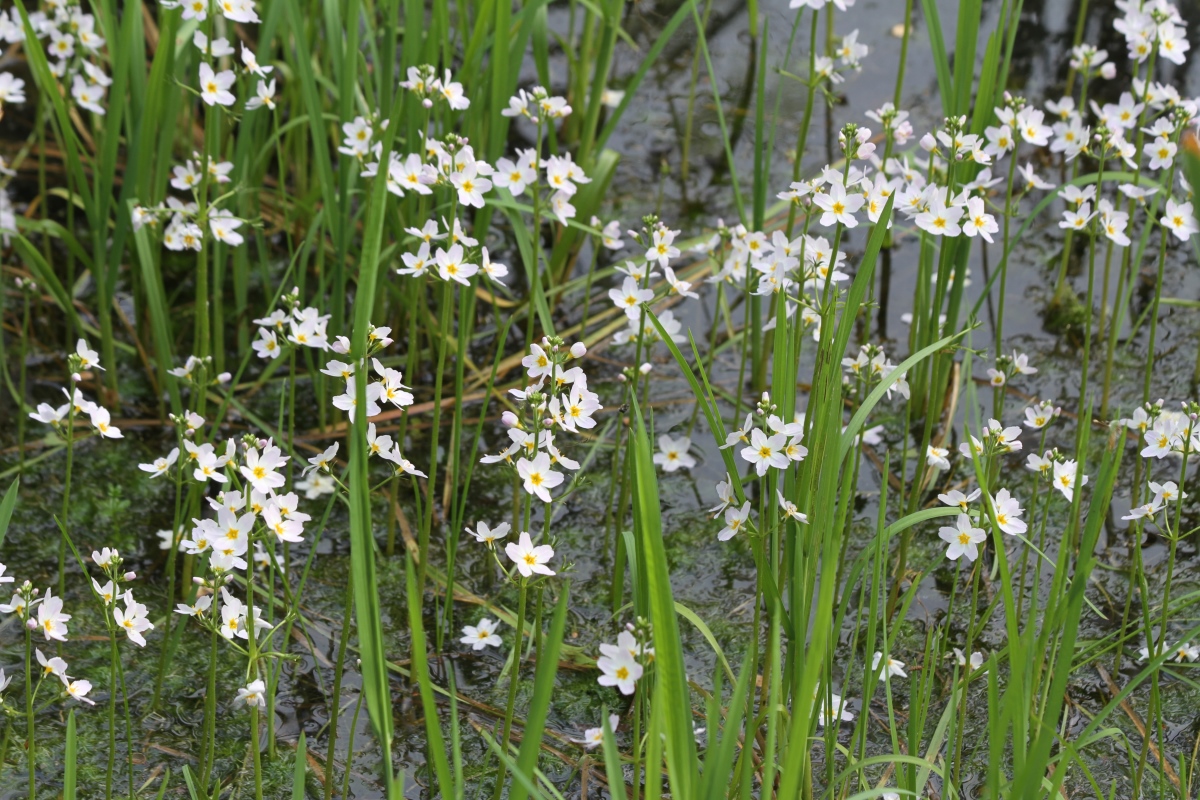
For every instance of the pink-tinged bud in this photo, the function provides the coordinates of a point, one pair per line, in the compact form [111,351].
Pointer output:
[76,377]
[31,624]
[427,103]
[510,419]
[645,368]
[547,423]
[198,580]
[131,575]
[578,350]
[1108,70]
[224,377]
[928,143]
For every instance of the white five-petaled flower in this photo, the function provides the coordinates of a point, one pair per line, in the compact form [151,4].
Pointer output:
[214,86]
[481,635]
[673,453]
[485,535]
[529,559]
[50,618]
[1008,513]
[1180,220]
[160,465]
[962,539]
[619,668]
[594,737]
[630,297]
[889,667]
[765,451]
[538,476]
[253,694]
[133,619]
[838,205]
[1064,478]
[735,520]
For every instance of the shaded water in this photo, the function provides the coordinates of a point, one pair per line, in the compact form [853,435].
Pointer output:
[113,505]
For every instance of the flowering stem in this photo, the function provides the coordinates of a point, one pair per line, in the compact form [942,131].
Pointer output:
[1158,287]
[338,671]
[69,430]
[21,350]
[30,750]
[210,716]
[444,316]
[1082,421]
[113,658]
[171,556]
[252,673]
[513,680]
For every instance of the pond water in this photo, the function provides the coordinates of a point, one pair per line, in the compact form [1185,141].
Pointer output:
[113,504]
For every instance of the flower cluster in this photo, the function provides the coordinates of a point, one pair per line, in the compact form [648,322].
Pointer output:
[558,398]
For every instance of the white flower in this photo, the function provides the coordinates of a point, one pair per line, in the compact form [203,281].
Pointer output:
[1179,220]
[838,206]
[765,451]
[102,422]
[253,694]
[529,559]
[133,619]
[962,539]
[161,464]
[1008,513]
[594,737]
[481,635]
[937,457]
[1064,478]
[485,535]
[979,221]
[451,266]
[619,668]
[838,706]
[735,518]
[88,95]
[673,453]
[214,87]
[260,470]
[538,476]
[78,690]
[892,668]
[50,618]
[629,297]
[956,498]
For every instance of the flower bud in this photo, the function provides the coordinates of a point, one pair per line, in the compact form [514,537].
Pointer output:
[131,575]
[510,419]
[578,350]
[645,368]
[427,103]
[928,143]
[547,423]
[1108,70]
[224,377]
